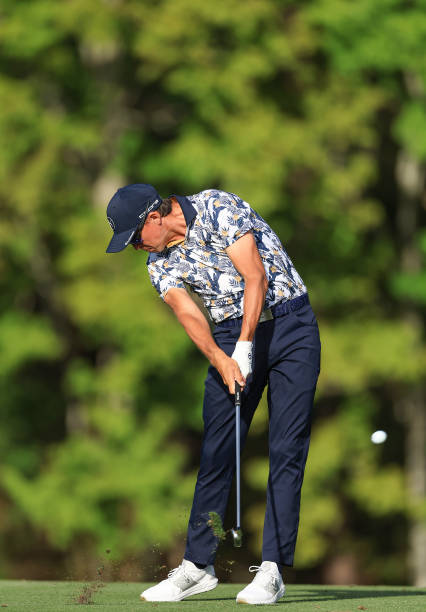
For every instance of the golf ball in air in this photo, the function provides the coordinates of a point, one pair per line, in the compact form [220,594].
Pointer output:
[378,437]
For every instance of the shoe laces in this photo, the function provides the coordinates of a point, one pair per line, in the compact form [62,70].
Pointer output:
[174,572]
[263,576]
[181,572]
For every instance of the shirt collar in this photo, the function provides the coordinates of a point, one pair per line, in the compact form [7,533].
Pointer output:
[189,212]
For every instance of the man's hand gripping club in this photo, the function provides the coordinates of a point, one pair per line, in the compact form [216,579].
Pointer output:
[237,367]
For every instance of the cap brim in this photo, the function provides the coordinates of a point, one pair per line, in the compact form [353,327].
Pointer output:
[120,241]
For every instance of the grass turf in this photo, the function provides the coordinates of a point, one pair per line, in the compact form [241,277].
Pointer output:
[59,596]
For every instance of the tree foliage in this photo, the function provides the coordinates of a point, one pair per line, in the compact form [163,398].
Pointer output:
[314,113]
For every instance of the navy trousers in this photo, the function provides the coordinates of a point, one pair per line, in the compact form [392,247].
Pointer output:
[286,358]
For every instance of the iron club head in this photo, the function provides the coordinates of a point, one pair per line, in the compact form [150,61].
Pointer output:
[237,537]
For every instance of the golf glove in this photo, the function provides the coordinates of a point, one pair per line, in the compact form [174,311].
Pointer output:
[243,355]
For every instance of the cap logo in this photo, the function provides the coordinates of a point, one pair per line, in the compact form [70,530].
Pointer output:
[150,207]
[111,222]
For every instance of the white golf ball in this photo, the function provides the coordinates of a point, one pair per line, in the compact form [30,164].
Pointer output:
[378,437]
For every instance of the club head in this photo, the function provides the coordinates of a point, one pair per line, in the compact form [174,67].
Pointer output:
[237,537]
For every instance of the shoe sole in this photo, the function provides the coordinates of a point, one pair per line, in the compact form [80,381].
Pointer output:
[195,590]
[273,599]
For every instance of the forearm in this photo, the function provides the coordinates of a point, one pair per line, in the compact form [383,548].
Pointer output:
[254,299]
[196,326]
[198,329]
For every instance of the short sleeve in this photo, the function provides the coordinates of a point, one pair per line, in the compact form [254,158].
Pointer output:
[161,279]
[230,216]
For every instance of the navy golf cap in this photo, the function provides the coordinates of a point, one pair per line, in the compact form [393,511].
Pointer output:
[129,207]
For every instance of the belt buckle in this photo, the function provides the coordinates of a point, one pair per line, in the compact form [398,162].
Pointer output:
[266,315]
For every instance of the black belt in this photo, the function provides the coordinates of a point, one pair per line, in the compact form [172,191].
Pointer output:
[278,310]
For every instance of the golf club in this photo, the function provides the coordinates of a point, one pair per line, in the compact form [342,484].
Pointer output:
[237,534]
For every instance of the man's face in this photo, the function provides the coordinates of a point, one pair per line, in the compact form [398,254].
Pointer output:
[153,234]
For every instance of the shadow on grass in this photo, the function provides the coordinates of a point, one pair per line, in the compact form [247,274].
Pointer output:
[213,598]
[330,594]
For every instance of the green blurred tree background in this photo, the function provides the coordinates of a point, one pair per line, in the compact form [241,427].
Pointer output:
[315,113]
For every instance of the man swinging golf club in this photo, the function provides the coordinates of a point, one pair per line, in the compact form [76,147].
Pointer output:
[265,334]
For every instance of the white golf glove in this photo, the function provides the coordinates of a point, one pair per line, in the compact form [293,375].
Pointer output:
[243,355]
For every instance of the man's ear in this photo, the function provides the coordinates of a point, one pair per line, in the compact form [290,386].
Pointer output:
[154,217]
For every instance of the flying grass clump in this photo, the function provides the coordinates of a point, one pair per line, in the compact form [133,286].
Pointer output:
[88,592]
[215,522]
[86,595]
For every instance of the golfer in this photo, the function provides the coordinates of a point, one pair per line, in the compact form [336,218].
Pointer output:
[265,334]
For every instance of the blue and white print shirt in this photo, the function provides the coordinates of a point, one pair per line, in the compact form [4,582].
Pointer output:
[215,220]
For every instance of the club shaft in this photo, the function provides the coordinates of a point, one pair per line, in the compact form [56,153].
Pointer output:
[237,450]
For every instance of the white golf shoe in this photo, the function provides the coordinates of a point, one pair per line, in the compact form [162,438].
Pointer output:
[182,582]
[267,587]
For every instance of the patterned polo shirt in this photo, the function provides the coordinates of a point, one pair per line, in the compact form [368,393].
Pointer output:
[216,219]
